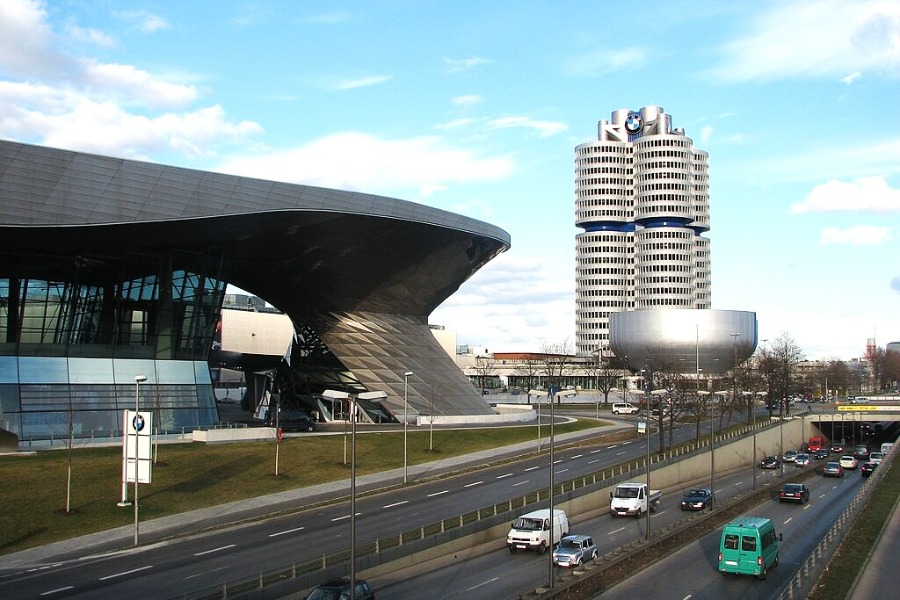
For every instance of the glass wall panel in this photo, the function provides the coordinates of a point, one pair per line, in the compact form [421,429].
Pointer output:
[127,369]
[176,371]
[40,369]
[9,369]
[91,370]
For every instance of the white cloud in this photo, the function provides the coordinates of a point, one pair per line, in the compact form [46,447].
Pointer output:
[27,43]
[855,236]
[455,124]
[452,65]
[827,38]
[468,100]
[544,128]
[351,84]
[866,195]
[851,77]
[706,133]
[424,164]
[146,22]
[602,62]
[132,85]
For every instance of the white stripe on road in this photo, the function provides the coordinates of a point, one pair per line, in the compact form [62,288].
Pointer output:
[57,590]
[504,476]
[532,468]
[616,531]
[438,493]
[396,504]
[219,549]
[124,573]
[468,485]
[521,483]
[286,531]
[475,587]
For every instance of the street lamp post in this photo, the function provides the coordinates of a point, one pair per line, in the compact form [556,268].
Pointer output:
[138,380]
[559,396]
[406,377]
[538,394]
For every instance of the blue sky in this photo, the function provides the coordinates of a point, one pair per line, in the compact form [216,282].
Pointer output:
[476,107]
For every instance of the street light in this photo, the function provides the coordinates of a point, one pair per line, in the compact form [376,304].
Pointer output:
[661,392]
[406,377]
[559,396]
[354,409]
[138,380]
[538,394]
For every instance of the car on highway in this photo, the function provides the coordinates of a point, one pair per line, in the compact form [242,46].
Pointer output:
[861,452]
[794,492]
[697,499]
[802,460]
[574,550]
[876,457]
[849,462]
[832,469]
[790,456]
[821,453]
[339,589]
[868,468]
[770,462]
[837,448]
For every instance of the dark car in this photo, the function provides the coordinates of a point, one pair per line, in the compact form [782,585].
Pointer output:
[790,456]
[832,469]
[770,462]
[697,499]
[339,589]
[861,452]
[292,420]
[867,468]
[837,448]
[821,454]
[794,492]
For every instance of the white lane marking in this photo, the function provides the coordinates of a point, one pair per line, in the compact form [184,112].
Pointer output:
[521,483]
[475,587]
[562,471]
[438,493]
[788,521]
[219,549]
[207,572]
[402,502]
[286,531]
[616,530]
[556,462]
[344,517]
[620,453]
[596,451]
[596,460]
[577,456]
[468,485]
[124,573]
[504,476]
[57,590]
[532,468]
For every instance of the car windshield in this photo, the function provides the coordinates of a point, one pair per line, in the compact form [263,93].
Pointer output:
[624,492]
[528,524]
[696,493]
[792,487]
[325,594]
[570,545]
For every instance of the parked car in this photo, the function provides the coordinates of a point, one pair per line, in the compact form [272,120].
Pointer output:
[292,420]
[849,462]
[794,492]
[574,550]
[770,462]
[867,468]
[339,589]
[790,456]
[876,457]
[820,454]
[697,499]
[802,460]
[832,469]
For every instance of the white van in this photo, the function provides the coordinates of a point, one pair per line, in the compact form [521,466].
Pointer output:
[626,408]
[531,531]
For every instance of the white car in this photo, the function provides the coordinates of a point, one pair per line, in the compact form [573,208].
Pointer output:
[876,457]
[848,462]
[627,408]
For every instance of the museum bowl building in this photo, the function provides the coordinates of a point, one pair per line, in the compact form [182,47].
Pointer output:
[112,269]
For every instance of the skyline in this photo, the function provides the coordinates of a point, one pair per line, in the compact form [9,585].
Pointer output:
[477,109]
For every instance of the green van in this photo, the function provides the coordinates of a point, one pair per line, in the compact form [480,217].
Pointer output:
[749,546]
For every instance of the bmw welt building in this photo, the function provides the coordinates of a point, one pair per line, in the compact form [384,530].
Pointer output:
[114,269]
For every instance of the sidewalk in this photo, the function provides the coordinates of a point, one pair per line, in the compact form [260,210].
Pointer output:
[181,524]
[880,578]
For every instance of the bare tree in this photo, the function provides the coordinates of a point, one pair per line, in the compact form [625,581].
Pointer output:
[780,365]
[484,366]
[556,362]
[530,370]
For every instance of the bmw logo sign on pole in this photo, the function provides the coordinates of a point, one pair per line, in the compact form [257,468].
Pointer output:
[138,422]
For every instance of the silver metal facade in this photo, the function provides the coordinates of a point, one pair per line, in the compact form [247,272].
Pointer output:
[642,201]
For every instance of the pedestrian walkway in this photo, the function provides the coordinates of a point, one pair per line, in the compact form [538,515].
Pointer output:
[234,512]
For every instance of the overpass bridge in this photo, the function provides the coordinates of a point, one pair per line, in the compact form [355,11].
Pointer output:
[854,424]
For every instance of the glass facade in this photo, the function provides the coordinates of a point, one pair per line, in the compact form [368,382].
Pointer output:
[72,344]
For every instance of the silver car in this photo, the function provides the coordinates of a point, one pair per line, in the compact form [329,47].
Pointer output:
[574,550]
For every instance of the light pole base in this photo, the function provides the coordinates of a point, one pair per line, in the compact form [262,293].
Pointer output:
[123,503]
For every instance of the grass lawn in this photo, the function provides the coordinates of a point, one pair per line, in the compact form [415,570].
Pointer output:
[190,475]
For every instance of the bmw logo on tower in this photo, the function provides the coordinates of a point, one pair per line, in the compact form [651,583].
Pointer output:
[634,123]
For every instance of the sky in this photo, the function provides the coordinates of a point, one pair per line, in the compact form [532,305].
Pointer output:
[476,107]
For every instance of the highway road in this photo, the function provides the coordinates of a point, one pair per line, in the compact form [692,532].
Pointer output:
[169,569]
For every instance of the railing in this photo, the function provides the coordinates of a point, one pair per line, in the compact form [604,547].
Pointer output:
[104,439]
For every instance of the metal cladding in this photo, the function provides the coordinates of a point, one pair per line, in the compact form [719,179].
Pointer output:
[681,341]
[363,271]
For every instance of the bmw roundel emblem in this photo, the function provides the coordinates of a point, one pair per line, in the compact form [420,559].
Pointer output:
[138,422]
[634,123]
